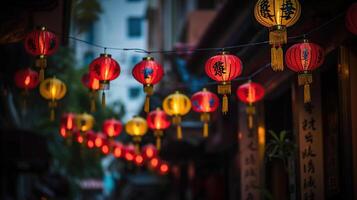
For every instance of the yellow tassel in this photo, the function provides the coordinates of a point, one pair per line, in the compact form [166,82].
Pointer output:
[179,132]
[225,104]
[280,59]
[147,104]
[103,99]
[250,121]
[158,143]
[205,129]
[42,74]
[52,115]
[307,95]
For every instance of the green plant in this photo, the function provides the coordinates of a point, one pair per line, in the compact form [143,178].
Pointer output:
[280,146]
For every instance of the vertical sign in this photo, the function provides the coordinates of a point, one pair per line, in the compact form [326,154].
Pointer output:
[310,143]
[249,158]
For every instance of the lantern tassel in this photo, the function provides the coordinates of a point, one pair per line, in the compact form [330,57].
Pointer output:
[277,37]
[147,104]
[179,132]
[205,130]
[103,98]
[42,74]
[52,115]
[225,104]
[277,61]
[307,95]
[158,143]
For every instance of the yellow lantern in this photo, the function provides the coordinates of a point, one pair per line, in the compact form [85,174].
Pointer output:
[84,122]
[52,89]
[277,15]
[136,128]
[177,105]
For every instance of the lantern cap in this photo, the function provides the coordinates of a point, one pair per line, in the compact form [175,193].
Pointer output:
[223,52]
[105,55]
[148,58]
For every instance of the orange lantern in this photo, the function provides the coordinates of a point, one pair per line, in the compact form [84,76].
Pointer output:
[118,149]
[204,102]
[149,151]
[158,121]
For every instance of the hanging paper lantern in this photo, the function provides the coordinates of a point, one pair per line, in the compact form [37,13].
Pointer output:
[177,105]
[136,128]
[163,168]
[26,79]
[90,139]
[53,90]
[149,151]
[154,163]
[78,137]
[105,148]
[118,149]
[138,160]
[105,69]
[223,68]
[41,43]
[351,18]
[99,140]
[250,93]
[68,122]
[277,15]
[129,152]
[303,58]
[204,102]
[90,82]
[112,128]
[158,121]
[148,72]
[84,122]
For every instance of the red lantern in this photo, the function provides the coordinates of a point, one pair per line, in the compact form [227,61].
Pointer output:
[149,151]
[351,18]
[78,137]
[63,132]
[112,127]
[118,150]
[154,163]
[129,152]
[148,72]
[41,43]
[158,121]
[204,102]
[68,122]
[138,160]
[90,82]
[303,58]
[99,140]
[90,138]
[164,168]
[105,147]
[250,93]
[105,69]
[26,79]
[223,68]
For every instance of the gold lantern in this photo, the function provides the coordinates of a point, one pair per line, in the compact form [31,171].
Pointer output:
[277,15]
[177,105]
[136,128]
[53,90]
[84,122]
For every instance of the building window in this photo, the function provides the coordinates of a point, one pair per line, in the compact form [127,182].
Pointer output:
[135,26]
[134,92]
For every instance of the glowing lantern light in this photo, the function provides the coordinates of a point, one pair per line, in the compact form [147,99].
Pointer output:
[105,147]
[164,168]
[90,138]
[223,68]
[351,18]
[250,93]
[63,132]
[177,105]
[158,121]
[136,128]
[118,149]
[154,163]
[303,58]
[105,69]
[99,140]
[112,127]
[90,82]
[149,151]
[204,102]
[138,160]
[148,72]
[84,122]
[26,79]
[68,122]
[52,89]
[277,15]
[129,152]
[41,43]
[78,137]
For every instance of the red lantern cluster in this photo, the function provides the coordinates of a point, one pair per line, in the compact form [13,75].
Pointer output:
[250,93]
[112,127]
[92,83]
[303,58]
[158,121]
[351,18]
[41,43]
[105,69]
[148,72]
[223,68]
[204,102]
